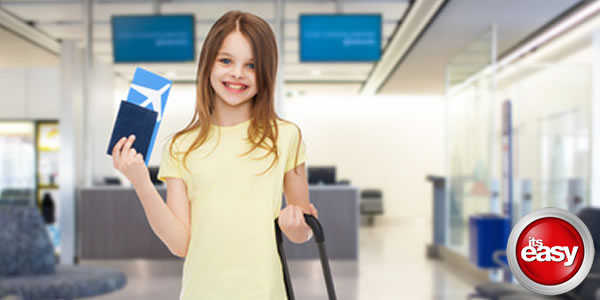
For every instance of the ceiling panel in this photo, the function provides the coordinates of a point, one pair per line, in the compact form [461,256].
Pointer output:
[52,11]
[63,19]
[422,71]
[212,10]
[389,10]
[105,11]
[293,10]
[46,12]
[18,53]
[458,25]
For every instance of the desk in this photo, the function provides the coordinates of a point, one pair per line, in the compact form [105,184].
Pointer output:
[111,224]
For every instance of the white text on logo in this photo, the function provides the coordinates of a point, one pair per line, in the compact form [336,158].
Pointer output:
[537,251]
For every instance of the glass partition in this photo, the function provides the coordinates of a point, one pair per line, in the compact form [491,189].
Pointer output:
[551,117]
[551,143]
[469,128]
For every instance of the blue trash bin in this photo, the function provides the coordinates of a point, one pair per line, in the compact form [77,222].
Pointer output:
[487,233]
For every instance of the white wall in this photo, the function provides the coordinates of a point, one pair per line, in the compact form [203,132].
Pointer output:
[102,113]
[386,142]
[33,93]
[29,93]
[390,142]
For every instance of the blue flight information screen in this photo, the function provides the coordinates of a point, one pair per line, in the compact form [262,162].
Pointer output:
[340,38]
[153,38]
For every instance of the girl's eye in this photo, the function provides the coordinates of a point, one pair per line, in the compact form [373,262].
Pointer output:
[251,66]
[225,60]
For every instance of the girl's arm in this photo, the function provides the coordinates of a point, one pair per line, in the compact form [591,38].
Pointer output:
[170,221]
[291,218]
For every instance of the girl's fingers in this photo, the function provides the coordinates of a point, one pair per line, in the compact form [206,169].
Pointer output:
[314,211]
[117,148]
[296,217]
[132,153]
[292,214]
[286,216]
[128,144]
[300,216]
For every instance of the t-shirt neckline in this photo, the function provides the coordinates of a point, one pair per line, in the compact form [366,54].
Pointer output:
[231,127]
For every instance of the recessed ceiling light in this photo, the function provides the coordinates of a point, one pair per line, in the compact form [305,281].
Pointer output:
[171,74]
[316,72]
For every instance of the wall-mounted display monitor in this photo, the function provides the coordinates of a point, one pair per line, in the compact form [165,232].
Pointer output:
[153,38]
[340,37]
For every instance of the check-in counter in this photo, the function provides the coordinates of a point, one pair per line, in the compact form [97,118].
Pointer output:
[111,224]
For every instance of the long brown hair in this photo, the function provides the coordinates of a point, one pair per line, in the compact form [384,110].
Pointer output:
[263,130]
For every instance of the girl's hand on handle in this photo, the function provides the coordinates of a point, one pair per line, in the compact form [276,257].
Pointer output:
[292,223]
[313,211]
[129,162]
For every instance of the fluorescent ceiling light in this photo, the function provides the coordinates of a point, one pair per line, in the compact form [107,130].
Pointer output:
[564,25]
[420,14]
[23,29]
[589,10]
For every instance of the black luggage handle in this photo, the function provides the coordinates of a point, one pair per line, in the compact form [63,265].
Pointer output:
[311,221]
[317,229]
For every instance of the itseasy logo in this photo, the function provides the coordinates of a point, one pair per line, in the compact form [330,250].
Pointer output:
[550,251]
[537,251]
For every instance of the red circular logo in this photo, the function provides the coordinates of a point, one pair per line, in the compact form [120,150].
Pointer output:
[549,251]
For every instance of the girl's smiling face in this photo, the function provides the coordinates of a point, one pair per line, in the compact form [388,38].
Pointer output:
[233,75]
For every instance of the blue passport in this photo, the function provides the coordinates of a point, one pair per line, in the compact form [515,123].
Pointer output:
[150,90]
[136,120]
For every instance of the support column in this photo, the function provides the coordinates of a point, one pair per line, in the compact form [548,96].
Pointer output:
[87,76]
[280,31]
[70,125]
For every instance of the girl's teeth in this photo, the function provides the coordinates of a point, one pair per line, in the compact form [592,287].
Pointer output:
[233,86]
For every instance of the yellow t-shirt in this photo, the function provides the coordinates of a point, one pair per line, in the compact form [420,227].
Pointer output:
[233,251]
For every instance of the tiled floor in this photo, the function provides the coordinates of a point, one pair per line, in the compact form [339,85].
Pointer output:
[392,265]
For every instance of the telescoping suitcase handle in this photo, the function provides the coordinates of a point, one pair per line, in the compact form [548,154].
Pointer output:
[319,237]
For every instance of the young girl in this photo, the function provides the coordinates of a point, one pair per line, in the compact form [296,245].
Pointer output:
[226,171]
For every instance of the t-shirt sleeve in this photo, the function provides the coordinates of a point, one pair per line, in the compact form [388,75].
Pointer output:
[169,166]
[293,149]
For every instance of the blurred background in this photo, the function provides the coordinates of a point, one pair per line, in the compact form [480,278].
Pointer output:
[431,127]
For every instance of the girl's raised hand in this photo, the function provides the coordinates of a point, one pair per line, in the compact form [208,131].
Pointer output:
[129,162]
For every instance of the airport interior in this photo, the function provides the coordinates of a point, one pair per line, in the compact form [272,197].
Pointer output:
[425,122]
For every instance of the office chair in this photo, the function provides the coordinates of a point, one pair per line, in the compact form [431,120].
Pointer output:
[371,204]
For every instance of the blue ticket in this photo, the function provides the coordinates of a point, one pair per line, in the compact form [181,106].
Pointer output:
[151,91]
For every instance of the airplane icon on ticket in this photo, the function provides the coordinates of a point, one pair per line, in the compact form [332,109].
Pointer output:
[153,97]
